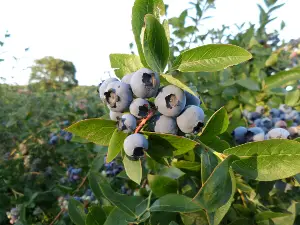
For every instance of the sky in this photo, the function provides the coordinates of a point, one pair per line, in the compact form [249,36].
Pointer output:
[87,31]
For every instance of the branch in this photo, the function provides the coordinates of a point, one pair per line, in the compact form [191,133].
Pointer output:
[144,121]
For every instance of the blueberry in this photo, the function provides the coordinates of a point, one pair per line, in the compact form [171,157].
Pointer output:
[66,122]
[294,131]
[274,112]
[278,133]
[103,86]
[191,120]
[266,122]
[252,116]
[115,115]
[68,136]
[163,124]
[127,78]
[257,122]
[118,96]
[285,108]
[170,100]
[280,124]
[53,140]
[62,133]
[239,135]
[260,109]
[145,83]
[135,145]
[292,115]
[254,134]
[139,108]
[127,123]
[191,99]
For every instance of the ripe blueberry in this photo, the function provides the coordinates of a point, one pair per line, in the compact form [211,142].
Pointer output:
[280,124]
[294,131]
[266,122]
[135,145]
[239,135]
[191,119]
[254,134]
[144,83]
[118,96]
[285,108]
[191,99]
[274,112]
[170,100]
[127,78]
[127,123]
[102,87]
[278,133]
[115,115]
[139,108]
[252,116]
[163,124]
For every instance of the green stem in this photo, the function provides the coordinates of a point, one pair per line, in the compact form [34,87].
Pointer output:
[149,200]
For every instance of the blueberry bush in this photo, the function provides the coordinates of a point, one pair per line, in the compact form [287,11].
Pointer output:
[195,129]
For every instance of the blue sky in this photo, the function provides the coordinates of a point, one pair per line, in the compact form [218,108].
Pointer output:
[86,32]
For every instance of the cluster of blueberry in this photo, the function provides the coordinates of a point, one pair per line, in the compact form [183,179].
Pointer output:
[112,168]
[172,111]
[87,198]
[54,138]
[272,126]
[13,215]
[63,202]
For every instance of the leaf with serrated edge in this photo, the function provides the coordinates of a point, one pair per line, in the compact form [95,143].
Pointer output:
[115,145]
[210,58]
[98,131]
[267,160]
[133,169]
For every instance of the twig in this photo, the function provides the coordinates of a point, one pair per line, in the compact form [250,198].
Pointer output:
[81,184]
[144,121]
[242,197]
[57,216]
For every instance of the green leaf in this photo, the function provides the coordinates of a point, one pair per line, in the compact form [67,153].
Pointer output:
[269,215]
[76,212]
[100,187]
[215,143]
[208,163]
[160,218]
[96,216]
[161,185]
[272,60]
[249,84]
[175,203]
[97,163]
[282,78]
[195,218]
[171,172]
[155,44]
[217,189]
[216,217]
[172,80]
[168,144]
[210,58]
[133,169]
[182,164]
[294,209]
[267,160]
[118,217]
[217,124]
[125,64]
[98,131]
[292,97]
[115,144]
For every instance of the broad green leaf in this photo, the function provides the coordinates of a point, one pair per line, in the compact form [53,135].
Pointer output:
[160,218]
[269,215]
[272,60]
[217,189]
[97,163]
[243,221]
[182,164]
[282,78]
[133,169]
[161,185]
[267,160]
[125,203]
[96,216]
[172,80]
[294,209]
[215,143]
[167,30]
[249,84]
[118,217]
[76,212]
[115,144]
[173,223]
[216,217]
[195,218]
[139,10]
[210,58]
[217,124]
[155,44]
[125,64]
[171,172]
[175,203]
[292,97]
[98,131]
[168,144]
[208,163]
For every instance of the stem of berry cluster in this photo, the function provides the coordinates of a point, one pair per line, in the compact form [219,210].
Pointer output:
[144,121]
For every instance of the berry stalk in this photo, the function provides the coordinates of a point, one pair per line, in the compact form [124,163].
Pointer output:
[144,121]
